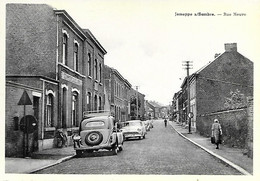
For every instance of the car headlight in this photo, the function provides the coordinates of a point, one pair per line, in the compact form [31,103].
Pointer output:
[139,130]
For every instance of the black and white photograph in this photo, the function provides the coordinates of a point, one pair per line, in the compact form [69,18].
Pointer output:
[130,89]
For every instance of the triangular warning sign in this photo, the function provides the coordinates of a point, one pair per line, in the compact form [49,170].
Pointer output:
[25,99]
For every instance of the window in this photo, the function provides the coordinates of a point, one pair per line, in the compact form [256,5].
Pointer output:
[100,103]
[49,120]
[89,64]
[76,57]
[89,101]
[65,49]
[64,107]
[16,123]
[96,69]
[74,108]
[100,72]
[95,103]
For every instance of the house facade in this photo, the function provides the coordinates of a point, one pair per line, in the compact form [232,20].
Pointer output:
[213,88]
[47,56]
[118,91]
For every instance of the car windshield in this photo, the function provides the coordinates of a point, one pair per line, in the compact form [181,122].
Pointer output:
[133,124]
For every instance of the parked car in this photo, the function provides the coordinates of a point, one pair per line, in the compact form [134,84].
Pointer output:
[98,131]
[151,123]
[147,125]
[134,129]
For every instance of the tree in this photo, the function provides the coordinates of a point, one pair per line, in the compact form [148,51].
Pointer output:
[133,107]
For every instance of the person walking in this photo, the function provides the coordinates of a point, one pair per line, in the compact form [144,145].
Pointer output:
[165,122]
[216,132]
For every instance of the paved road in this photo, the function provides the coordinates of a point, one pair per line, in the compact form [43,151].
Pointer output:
[162,152]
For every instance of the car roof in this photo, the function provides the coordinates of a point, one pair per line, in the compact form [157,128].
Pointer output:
[95,114]
[97,118]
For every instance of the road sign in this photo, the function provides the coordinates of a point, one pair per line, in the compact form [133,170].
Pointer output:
[28,124]
[25,99]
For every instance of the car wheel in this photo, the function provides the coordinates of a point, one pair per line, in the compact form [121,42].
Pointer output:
[120,148]
[144,136]
[114,151]
[93,138]
[140,137]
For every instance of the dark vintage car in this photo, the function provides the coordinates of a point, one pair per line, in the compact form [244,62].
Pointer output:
[98,131]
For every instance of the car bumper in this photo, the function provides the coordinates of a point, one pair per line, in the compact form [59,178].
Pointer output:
[97,147]
[132,135]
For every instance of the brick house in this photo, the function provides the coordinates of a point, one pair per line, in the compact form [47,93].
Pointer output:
[46,54]
[94,70]
[134,95]
[117,88]
[210,89]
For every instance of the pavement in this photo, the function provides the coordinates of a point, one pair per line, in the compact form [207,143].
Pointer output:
[233,157]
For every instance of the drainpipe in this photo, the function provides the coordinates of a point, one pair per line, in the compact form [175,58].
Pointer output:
[43,110]
[57,47]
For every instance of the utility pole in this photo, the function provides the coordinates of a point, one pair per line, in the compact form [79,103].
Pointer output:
[137,102]
[188,65]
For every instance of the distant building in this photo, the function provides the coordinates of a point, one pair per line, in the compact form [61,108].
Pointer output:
[137,99]
[118,92]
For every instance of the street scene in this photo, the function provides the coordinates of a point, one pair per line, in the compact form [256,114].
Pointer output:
[152,155]
[93,94]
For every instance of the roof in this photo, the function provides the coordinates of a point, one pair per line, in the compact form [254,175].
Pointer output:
[88,32]
[119,75]
[68,17]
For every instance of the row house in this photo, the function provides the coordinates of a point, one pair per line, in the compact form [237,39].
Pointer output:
[118,89]
[227,79]
[59,65]
[137,98]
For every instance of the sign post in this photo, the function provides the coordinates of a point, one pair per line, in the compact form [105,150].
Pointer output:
[25,100]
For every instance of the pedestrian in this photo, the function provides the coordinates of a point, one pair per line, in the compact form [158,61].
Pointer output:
[216,132]
[165,122]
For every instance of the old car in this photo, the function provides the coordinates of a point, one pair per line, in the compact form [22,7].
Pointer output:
[147,125]
[134,129]
[98,131]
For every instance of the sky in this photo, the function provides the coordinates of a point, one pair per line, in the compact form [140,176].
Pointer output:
[147,43]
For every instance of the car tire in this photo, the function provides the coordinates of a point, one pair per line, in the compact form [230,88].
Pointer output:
[120,148]
[144,136]
[114,151]
[93,138]
[140,137]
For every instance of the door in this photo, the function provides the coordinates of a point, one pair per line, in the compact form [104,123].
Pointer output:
[36,101]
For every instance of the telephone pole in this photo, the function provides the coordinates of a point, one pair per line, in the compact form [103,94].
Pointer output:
[136,102]
[188,65]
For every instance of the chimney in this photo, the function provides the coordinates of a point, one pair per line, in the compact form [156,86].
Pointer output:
[230,47]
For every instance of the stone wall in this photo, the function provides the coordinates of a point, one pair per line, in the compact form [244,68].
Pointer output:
[234,125]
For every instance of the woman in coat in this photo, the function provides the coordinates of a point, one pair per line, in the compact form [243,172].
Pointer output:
[216,132]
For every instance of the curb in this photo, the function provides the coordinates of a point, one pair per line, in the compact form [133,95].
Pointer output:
[52,164]
[238,168]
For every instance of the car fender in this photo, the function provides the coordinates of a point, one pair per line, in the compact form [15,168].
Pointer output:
[113,135]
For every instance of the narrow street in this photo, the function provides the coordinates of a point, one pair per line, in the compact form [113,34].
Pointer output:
[162,152]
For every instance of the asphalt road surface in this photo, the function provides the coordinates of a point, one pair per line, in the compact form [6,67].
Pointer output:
[162,152]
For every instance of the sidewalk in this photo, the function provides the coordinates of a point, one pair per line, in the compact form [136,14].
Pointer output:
[46,158]
[39,160]
[231,156]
